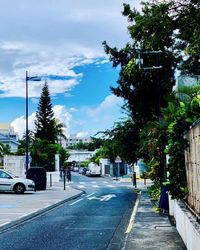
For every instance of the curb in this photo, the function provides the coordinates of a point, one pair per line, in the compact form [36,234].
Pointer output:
[37,213]
[132,218]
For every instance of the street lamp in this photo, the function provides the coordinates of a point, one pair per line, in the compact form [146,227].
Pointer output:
[37,78]
[33,78]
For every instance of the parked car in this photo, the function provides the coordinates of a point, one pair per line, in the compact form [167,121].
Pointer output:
[93,170]
[10,182]
[80,171]
[84,171]
[75,169]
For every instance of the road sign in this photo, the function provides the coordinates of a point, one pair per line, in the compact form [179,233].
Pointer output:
[118,160]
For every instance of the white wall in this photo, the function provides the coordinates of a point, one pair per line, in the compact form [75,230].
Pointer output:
[186,224]
[103,162]
[15,164]
[79,156]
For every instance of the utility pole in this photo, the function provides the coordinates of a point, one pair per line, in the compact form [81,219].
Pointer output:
[140,62]
[157,68]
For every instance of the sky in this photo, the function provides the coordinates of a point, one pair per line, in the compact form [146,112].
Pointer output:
[61,38]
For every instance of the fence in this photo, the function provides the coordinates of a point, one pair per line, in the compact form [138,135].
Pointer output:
[192,160]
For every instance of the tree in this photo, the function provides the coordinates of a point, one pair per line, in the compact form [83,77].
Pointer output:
[145,91]
[48,131]
[22,143]
[43,153]
[123,140]
[160,35]
[45,123]
[4,149]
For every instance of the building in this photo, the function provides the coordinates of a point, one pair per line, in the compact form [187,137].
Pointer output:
[74,139]
[79,156]
[9,137]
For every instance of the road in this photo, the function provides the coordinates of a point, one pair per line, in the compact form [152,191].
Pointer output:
[95,220]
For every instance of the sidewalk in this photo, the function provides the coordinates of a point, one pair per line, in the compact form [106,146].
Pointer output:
[15,209]
[151,230]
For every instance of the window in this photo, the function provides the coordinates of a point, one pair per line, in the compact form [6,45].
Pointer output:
[4,175]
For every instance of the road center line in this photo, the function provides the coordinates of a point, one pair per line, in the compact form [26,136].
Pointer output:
[76,202]
[90,194]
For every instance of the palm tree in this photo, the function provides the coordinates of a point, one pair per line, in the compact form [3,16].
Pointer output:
[59,130]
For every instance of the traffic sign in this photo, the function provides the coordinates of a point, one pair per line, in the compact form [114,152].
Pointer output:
[118,160]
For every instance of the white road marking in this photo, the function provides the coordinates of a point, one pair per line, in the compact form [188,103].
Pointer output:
[81,186]
[103,197]
[76,202]
[90,194]
[93,182]
[95,186]
[111,186]
[107,197]
[81,182]
[105,182]
[93,198]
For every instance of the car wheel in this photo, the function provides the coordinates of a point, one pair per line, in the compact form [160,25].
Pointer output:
[19,188]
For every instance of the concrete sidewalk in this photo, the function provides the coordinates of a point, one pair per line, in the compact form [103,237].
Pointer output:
[150,229]
[15,208]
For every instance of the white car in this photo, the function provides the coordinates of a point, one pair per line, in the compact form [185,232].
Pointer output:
[93,170]
[10,182]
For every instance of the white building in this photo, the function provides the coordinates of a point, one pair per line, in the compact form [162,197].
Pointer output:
[9,137]
[79,156]
[74,139]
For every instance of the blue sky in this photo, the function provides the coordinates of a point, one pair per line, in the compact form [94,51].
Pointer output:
[64,38]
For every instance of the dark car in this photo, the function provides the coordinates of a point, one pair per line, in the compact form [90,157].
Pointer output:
[84,170]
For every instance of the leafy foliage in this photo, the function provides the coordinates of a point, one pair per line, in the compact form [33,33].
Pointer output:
[123,140]
[180,115]
[4,149]
[43,154]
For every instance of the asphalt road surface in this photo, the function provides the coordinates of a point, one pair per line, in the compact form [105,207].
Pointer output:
[96,220]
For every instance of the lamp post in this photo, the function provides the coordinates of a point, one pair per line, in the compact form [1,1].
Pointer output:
[32,78]
[36,78]
[27,142]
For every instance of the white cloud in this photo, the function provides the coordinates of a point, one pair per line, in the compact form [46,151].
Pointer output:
[91,120]
[73,109]
[61,113]
[12,84]
[52,37]
[104,110]
[19,124]
[82,134]
[64,116]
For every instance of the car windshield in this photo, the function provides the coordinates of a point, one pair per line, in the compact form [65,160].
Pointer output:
[12,175]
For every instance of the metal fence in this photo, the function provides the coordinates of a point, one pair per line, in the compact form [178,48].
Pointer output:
[192,159]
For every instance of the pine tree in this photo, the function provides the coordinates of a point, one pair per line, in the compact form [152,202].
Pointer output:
[45,125]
